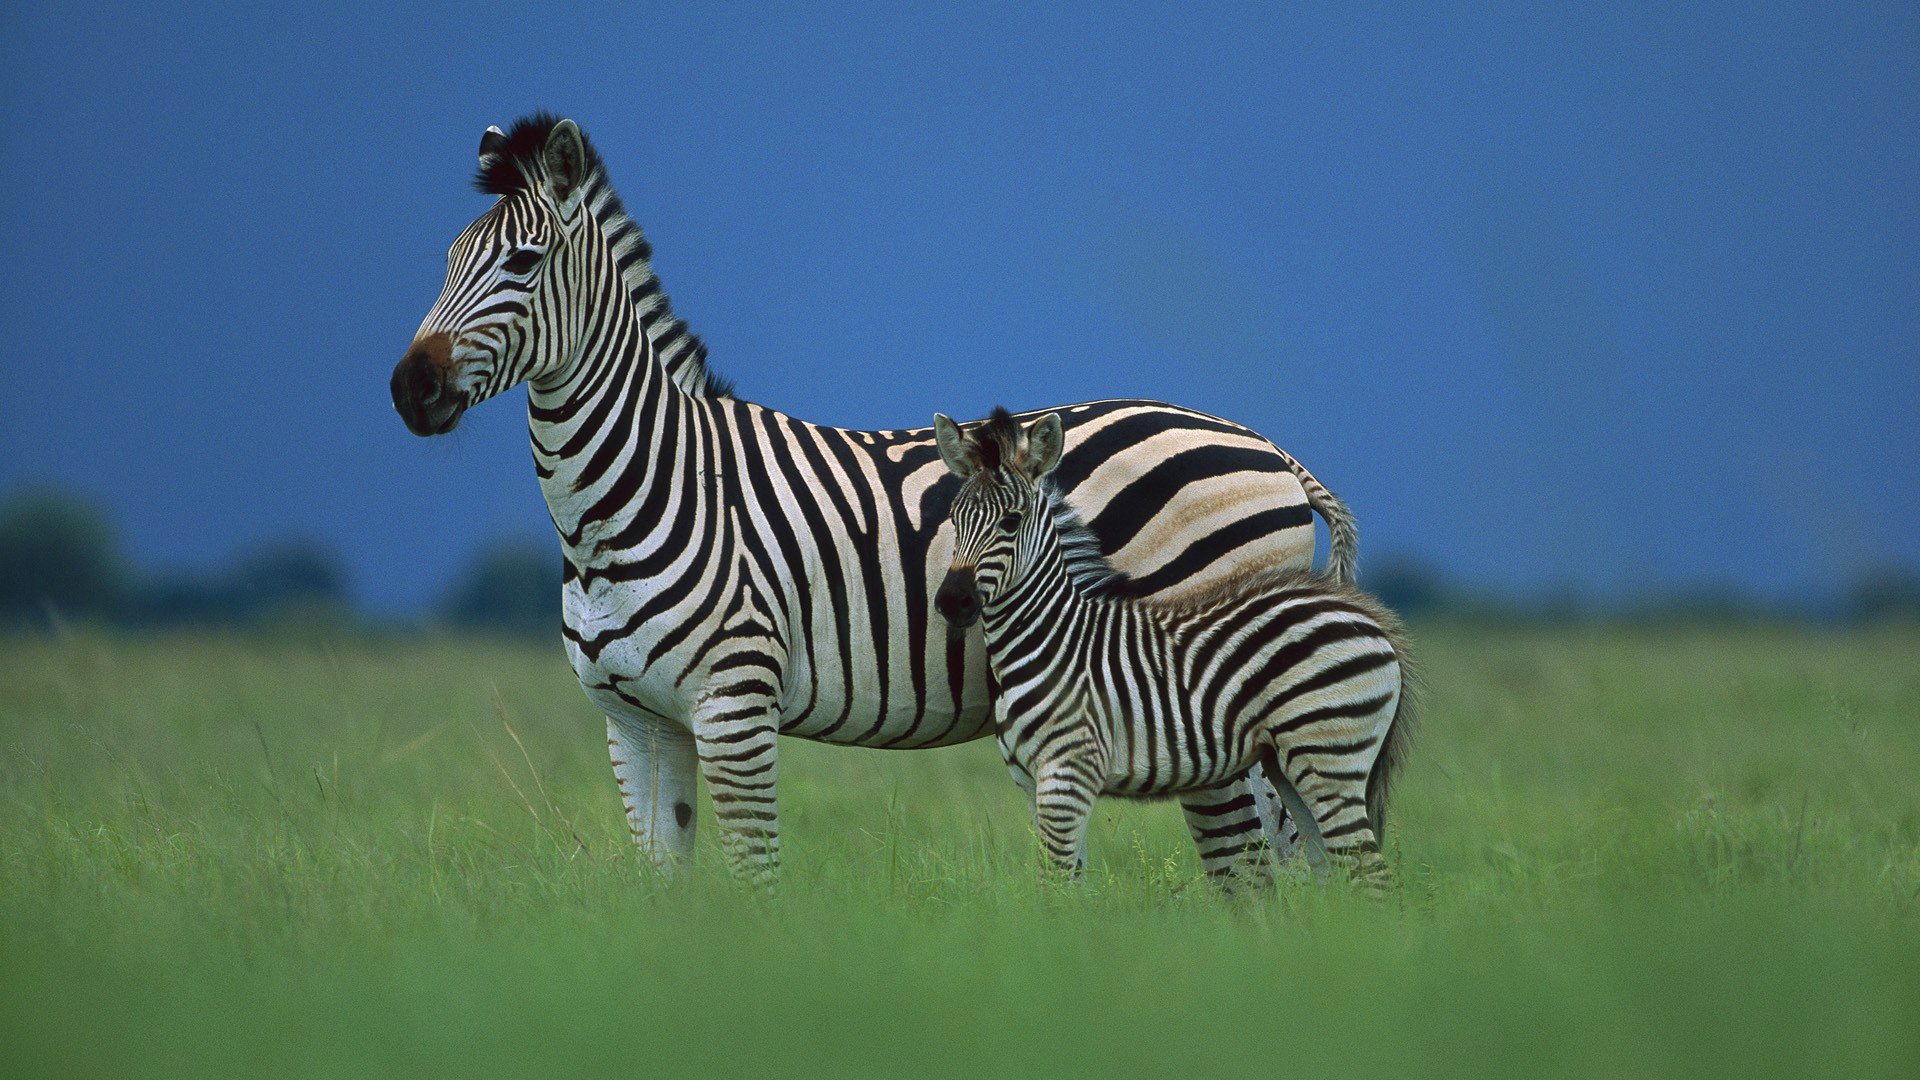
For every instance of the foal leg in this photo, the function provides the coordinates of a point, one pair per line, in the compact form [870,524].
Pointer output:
[1276,821]
[1063,794]
[1230,832]
[1338,802]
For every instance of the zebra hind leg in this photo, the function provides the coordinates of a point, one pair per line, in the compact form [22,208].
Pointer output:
[1231,834]
[1338,803]
[1277,822]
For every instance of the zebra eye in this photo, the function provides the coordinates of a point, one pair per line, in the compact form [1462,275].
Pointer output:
[1010,521]
[521,261]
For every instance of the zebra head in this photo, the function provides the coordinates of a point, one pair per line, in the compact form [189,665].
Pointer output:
[1002,515]
[502,317]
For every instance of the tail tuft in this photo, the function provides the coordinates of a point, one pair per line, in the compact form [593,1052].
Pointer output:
[1399,733]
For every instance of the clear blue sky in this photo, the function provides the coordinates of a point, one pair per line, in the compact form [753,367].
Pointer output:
[1620,301]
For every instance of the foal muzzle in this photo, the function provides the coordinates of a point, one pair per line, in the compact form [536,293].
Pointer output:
[958,598]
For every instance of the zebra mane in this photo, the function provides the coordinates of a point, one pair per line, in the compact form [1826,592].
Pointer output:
[999,443]
[517,166]
[1087,566]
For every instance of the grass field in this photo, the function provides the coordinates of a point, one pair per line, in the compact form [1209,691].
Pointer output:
[1622,853]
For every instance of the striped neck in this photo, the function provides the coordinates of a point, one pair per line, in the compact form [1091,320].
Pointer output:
[680,353]
[1044,604]
[612,432]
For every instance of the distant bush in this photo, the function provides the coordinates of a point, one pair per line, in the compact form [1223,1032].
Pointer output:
[292,579]
[1410,588]
[293,582]
[180,600]
[1885,594]
[512,587]
[59,559]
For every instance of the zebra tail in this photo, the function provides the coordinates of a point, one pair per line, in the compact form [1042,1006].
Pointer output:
[1343,549]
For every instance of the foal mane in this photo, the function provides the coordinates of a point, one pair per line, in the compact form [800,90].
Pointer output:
[1087,565]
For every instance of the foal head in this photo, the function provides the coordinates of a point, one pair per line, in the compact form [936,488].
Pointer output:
[1002,514]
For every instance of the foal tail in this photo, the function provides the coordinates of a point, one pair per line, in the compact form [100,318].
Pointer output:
[1393,748]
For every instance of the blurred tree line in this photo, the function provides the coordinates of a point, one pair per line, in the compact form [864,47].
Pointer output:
[1418,591]
[61,562]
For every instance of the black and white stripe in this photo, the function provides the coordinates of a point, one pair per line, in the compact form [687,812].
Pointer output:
[1106,694]
[733,573]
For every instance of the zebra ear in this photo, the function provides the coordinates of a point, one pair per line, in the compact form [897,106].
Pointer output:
[565,157]
[953,447]
[492,145]
[1046,441]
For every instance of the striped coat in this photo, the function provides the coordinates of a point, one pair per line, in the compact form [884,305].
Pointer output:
[733,573]
[1102,692]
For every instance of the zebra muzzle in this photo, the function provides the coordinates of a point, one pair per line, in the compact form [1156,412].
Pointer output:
[421,393]
[958,598]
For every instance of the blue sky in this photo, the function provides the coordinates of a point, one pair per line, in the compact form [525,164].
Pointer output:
[1614,302]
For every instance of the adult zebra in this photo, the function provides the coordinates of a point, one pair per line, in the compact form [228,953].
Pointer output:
[733,573]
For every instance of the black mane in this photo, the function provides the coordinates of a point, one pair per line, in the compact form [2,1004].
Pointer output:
[518,164]
[1080,549]
[995,439]
[512,170]
[995,442]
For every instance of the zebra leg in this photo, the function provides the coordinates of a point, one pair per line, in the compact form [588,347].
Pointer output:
[653,762]
[1339,806]
[736,731]
[1063,794]
[1281,831]
[1229,830]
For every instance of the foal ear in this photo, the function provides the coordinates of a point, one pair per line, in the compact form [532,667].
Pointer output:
[1046,441]
[953,447]
[565,158]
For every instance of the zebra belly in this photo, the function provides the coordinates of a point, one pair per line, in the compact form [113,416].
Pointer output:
[823,698]
[824,702]
[1170,782]
[1183,759]
[621,684]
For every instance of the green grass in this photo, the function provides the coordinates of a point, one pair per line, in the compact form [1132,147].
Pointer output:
[1622,853]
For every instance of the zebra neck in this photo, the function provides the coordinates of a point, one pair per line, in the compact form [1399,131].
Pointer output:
[681,354]
[618,445]
[1044,609]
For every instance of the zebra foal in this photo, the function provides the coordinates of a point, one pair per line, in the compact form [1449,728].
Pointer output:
[1103,694]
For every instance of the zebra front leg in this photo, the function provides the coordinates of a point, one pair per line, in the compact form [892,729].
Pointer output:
[736,731]
[1063,794]
[654,764]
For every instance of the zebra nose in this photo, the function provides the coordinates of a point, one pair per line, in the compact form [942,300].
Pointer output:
[420,391]
[958,598]
[422,382]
